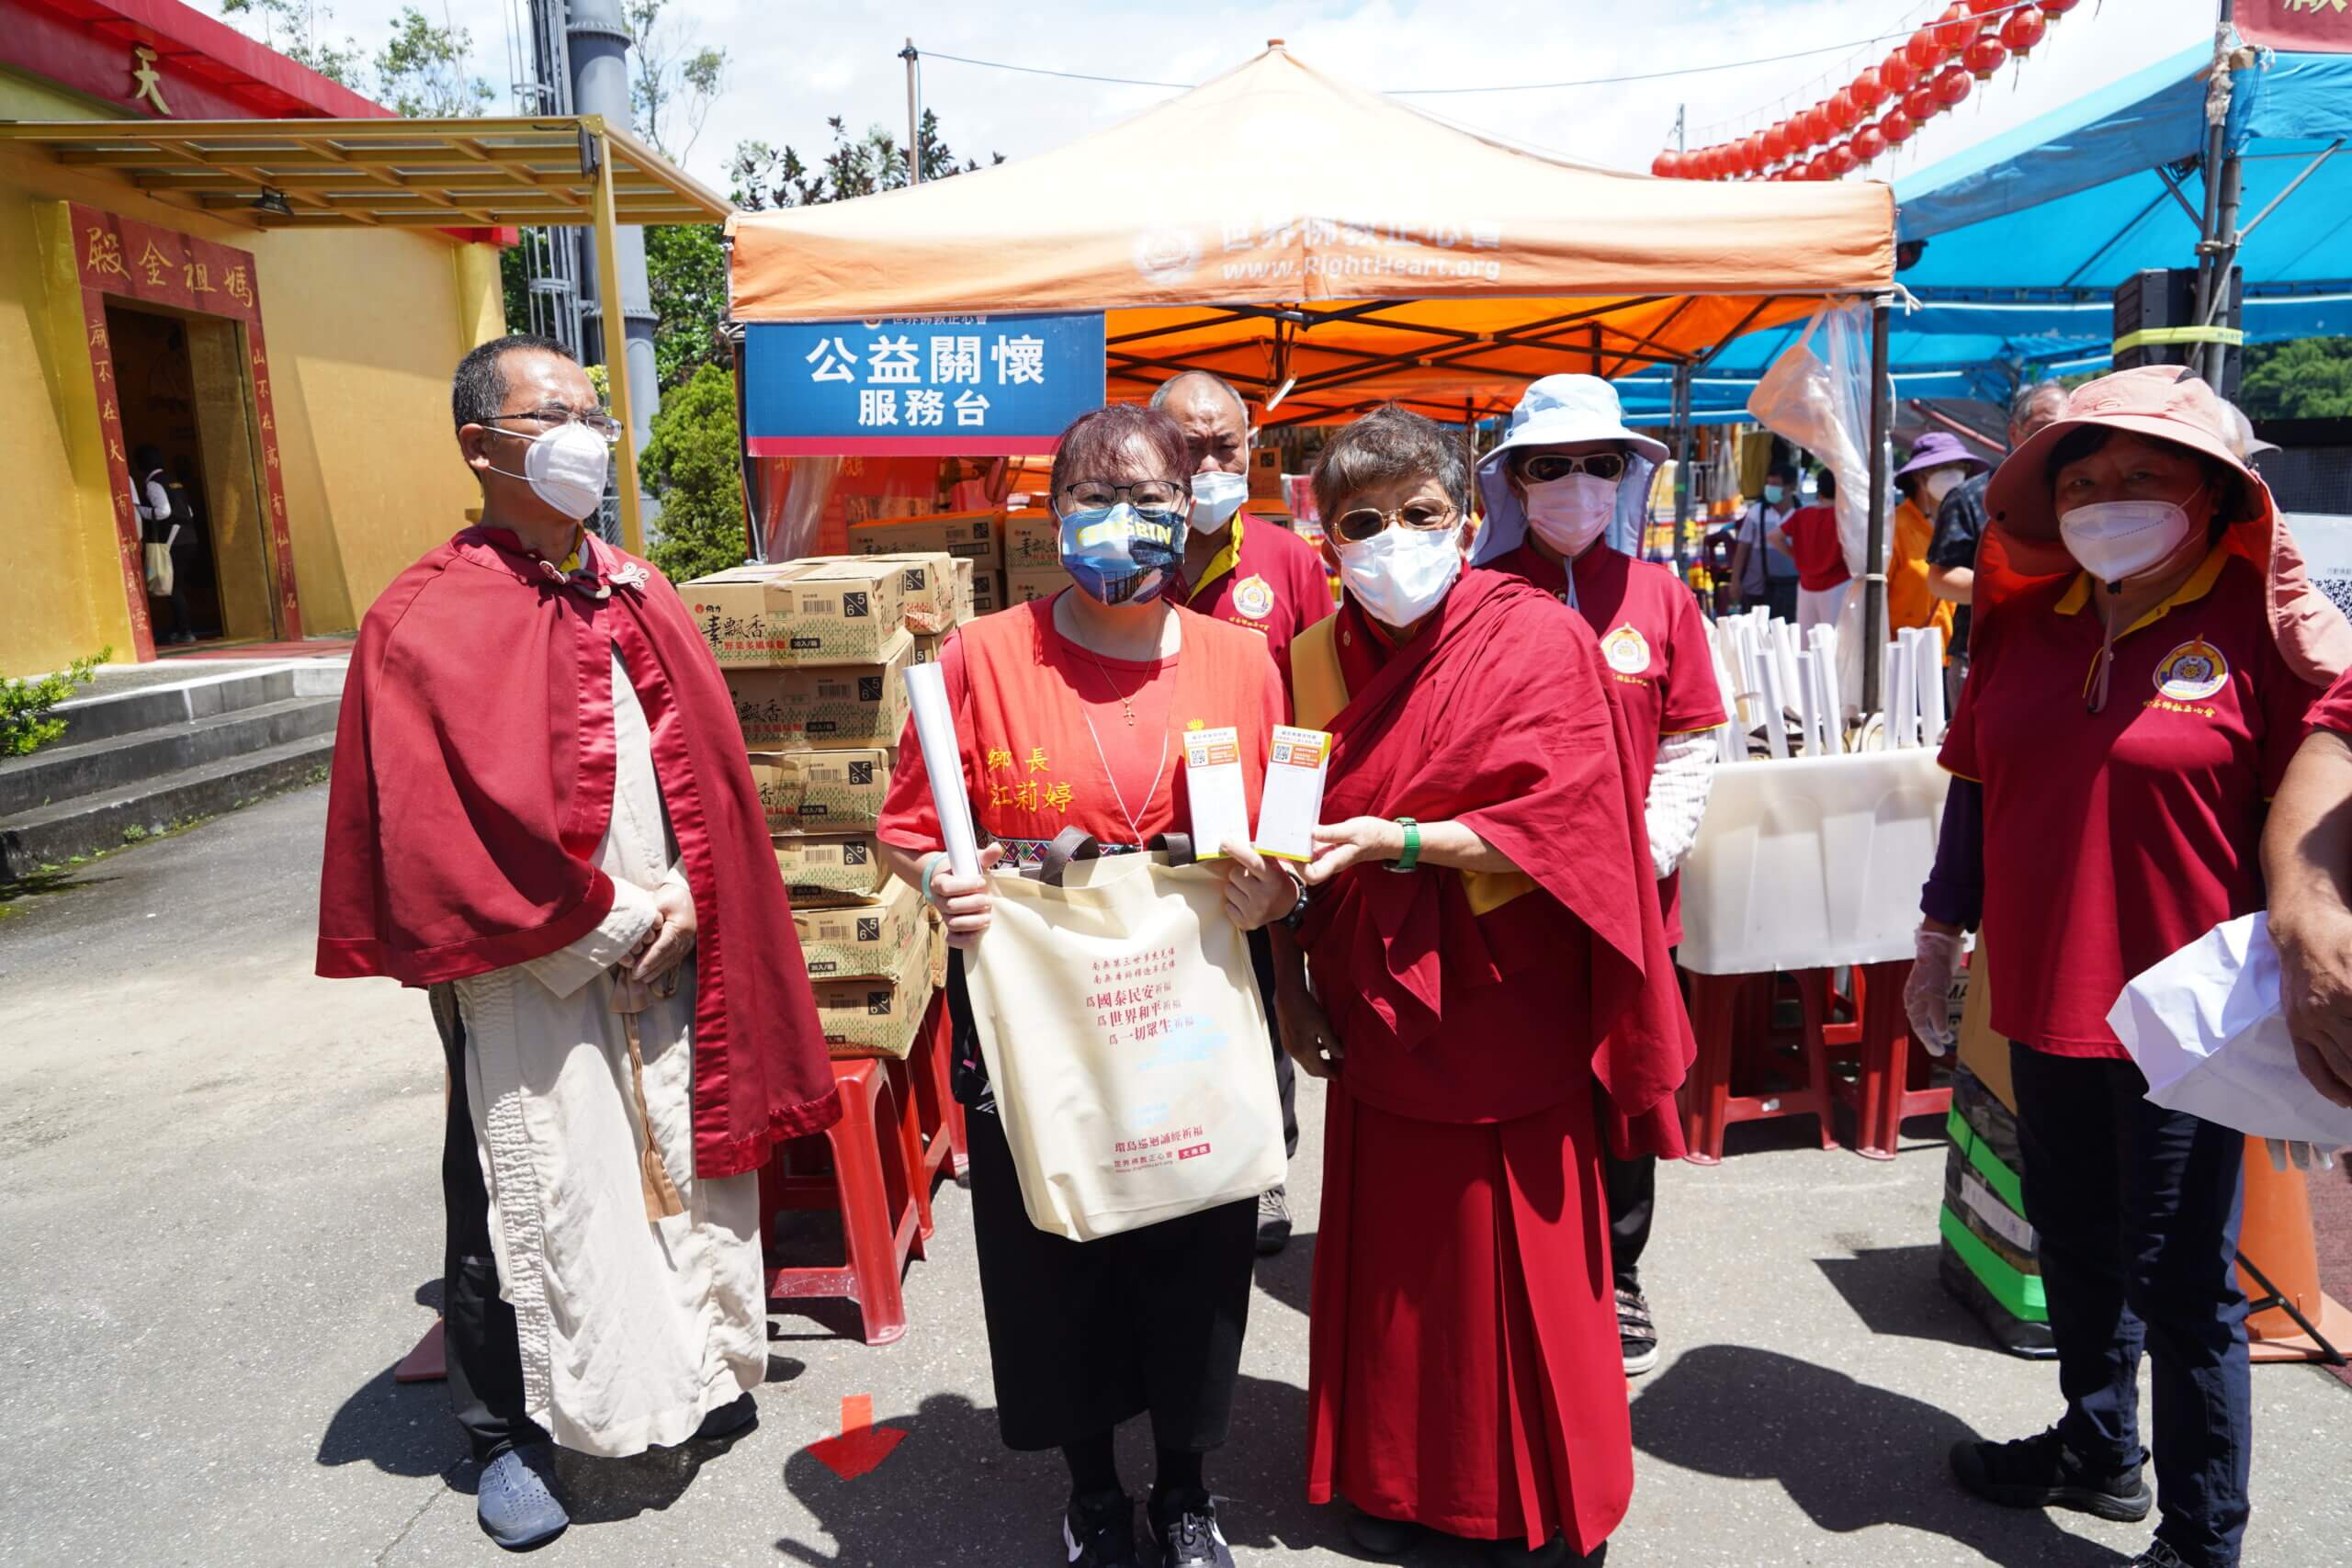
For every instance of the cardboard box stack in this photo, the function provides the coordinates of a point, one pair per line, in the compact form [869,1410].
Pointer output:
[974,536]
[814,653]
[1032,557]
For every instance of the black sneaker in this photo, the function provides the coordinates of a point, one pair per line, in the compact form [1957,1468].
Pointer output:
[1099,1532]
[1274,1221]
[2040,1471]
[2158,1556]
[1382,1538]
[1184,1523]
[1636,1332]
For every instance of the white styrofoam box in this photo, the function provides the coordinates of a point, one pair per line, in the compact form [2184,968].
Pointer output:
[1811,862]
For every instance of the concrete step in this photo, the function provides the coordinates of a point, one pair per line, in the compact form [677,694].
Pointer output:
[63,771]
[52,834]
[199,696]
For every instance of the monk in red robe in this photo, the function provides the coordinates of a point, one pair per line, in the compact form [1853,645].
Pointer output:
[1494,988]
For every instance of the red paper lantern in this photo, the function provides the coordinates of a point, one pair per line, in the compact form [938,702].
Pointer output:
[1984,56]
[1987,7]
[1699,164]
[1955,29]
[1870,143]
[1666,165]
[1818,124]
[1953,87]
[1866,91]
[1924,51]
[2023,30]
[1775,143]
[1897,75]
[1758,160]
[1841,159]
[1922,105]
[1896,127]
[2054,9]
[1842,112]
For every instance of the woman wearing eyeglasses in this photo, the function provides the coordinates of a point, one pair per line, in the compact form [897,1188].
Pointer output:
[1070,711]
[1552,488]
[1490,971]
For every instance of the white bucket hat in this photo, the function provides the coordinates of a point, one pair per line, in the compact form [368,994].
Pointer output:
[1554,411]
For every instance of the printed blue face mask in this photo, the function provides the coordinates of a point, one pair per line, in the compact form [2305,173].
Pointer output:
[1117,555]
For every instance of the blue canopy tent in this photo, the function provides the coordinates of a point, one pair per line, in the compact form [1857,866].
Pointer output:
[2026,235]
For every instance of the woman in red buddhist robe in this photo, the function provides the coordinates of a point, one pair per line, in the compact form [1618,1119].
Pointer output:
[1494,987]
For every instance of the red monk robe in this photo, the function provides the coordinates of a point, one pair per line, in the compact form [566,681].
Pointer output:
[1465,1370]
[473,779]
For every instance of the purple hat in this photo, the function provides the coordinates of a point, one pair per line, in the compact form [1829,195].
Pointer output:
[1936,449]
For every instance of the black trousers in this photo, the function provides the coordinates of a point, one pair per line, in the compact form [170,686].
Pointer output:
[1631,1188]
[478,1329]
[2135,1210]
[1261,959]
[1085,1334]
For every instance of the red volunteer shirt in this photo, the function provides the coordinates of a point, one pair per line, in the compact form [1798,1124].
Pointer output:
[1655,643]
[1024,696]
[1812,544]
[1267,578]
[2113,839]
[2333,711]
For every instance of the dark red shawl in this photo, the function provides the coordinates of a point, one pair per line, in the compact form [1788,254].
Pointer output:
[473,780]
[1499,716]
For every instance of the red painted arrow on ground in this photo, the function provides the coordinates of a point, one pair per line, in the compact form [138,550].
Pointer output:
[862,1445]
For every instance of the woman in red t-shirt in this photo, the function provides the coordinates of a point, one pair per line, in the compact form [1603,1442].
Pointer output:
[1070,711]
[2127,721]
[1822,576]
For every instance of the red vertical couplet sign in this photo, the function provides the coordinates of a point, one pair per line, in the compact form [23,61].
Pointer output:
[122,258]
[2315,27]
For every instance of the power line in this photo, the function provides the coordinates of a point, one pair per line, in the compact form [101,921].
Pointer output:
[1067,76]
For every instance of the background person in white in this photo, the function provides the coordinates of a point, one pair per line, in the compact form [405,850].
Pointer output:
[1764,570]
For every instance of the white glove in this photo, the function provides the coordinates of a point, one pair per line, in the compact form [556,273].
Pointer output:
[2304,1157]
[1926,994]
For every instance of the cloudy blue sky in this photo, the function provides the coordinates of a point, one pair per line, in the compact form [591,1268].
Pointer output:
[792,65]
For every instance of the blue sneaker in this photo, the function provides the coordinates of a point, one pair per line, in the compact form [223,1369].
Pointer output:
[516,1501]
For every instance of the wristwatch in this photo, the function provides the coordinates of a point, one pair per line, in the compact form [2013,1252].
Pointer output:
[1298,910]
[1411,859]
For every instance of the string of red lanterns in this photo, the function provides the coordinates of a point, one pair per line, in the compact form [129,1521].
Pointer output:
[1884,106]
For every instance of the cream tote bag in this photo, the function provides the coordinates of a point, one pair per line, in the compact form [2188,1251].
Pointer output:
[1124,1033]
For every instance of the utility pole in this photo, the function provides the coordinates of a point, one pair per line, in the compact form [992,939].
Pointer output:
[2216,245]
[914,118]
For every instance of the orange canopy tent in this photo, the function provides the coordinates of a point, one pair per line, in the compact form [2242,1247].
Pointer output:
[1328,248]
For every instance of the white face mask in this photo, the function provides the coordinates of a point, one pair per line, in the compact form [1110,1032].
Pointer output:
[1216,498]
[565,467]
[1568,514]
[2119,540]
[1940,484]
[1399,574]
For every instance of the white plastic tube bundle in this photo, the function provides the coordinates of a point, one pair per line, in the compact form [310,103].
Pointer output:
[1931,660]
[942,759]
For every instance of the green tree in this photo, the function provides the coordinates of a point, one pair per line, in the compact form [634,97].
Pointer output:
[765,178]
[426,71]
[2307,378]
[676,79]
[694,464]
[685,267]
[296,29]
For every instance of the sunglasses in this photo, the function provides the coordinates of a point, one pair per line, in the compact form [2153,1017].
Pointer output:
[1362,522]
[1547,467]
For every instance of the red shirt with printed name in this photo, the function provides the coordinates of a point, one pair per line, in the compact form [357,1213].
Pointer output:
[1045,738]
[2112,839]
[1653,641]
[1268,579]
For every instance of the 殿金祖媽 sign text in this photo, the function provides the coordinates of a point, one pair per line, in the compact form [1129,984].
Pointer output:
[919,385]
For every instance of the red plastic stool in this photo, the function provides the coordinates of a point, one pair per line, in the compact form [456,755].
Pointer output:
[868,1183]
[1717,1003]
[1891,1060]
[945,1143]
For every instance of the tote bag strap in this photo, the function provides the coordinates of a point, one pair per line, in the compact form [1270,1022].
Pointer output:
[1076,844]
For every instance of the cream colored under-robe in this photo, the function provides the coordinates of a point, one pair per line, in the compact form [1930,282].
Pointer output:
[632,1329]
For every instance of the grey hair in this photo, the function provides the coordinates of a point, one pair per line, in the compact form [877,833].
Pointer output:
[1165,391]
[477,392]
[1384,446]
[2021,402]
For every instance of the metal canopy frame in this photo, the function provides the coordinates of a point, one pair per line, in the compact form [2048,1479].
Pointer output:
[1586,333]
[560,170]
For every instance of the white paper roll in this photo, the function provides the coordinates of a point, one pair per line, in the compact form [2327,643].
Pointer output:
[1809,707]
[1931,686]
[942,759]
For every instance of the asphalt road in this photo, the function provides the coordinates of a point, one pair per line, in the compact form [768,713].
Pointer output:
[220,1226]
